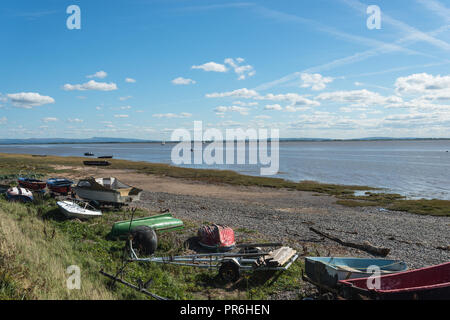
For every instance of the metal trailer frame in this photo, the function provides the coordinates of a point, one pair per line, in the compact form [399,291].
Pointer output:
[244,261]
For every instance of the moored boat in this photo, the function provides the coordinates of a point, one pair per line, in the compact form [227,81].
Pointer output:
[78,209]
[216,237]
[327,271]
[105,157]
[18,194]
[32,184]
[429,283]
[59,185]
[106,190]
[161,222]
[88,154]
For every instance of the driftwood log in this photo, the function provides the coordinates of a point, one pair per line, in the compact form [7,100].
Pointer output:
[377,251]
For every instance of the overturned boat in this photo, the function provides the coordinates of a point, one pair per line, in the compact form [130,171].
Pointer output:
[161,223]
[18,194]
[78,209]
[97,163]
[216,237]
[106,190]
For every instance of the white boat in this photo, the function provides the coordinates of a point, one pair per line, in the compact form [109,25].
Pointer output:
[107,190]
[81,210]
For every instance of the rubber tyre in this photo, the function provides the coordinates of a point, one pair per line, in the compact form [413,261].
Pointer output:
[229,271]
[144,239]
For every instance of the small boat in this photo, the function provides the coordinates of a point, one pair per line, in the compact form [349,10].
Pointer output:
[39,155]
[97,163]
[430,283]
[88,154]
[216,237]
[163,143]
[162,222]
[32,184]
[106,190]
[105,157]
[59,185]
[327,271]
[18,194]
[78,209]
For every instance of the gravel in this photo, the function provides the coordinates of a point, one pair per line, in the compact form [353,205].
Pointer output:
[411,238]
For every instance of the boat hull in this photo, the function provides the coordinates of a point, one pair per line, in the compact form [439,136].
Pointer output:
[328,271]
[32,184]
[18,194]
[72,210]
[430,283]
[162,222]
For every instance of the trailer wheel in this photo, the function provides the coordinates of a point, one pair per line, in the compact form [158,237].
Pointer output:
[229,271]
[144,239]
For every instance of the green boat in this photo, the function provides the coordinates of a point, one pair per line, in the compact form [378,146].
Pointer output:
[163,222]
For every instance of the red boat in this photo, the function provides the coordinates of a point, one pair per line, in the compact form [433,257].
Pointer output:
[430,283]
[32,184]
[216,237]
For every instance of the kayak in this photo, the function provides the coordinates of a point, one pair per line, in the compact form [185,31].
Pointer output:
[80,209]
[162,222]
[327,271]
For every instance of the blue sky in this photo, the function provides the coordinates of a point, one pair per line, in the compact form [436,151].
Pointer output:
[142,68]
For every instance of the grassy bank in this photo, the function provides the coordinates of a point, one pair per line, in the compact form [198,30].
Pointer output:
[14,163]
[37,244]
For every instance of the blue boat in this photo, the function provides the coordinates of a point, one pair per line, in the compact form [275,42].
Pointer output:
[328,271]
[59,185]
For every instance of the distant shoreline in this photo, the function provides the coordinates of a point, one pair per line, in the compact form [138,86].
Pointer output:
[5,143]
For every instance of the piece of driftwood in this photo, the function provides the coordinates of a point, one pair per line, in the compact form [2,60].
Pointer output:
[447,248]
[377,251]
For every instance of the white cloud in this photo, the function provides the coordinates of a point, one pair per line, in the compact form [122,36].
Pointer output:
[182,81]
[243,93]
[130,80]
[76,120]
[422,83]
[359,98]
[293,98]
[125,98]
[91,85]
[242,71]
[212,66]
[273,107]
[315,81]
[29,100]
[121,116]
[173,115]
[49,119]
[223,109]
[262,117]
[99,74]
[3,120]
[245,104]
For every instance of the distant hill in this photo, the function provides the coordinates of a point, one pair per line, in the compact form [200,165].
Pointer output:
[63,140]
[127,140]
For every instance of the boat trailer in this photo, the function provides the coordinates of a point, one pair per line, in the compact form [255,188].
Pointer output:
[230,265]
